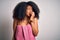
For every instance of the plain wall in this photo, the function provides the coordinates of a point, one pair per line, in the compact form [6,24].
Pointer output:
[49,21]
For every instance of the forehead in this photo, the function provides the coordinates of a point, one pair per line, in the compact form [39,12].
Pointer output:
[29,6]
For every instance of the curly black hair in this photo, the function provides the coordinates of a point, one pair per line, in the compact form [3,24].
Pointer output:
[19,11]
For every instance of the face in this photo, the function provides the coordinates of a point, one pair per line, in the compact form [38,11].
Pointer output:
[29,10]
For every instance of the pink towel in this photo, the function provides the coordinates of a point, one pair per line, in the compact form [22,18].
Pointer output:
[24,33]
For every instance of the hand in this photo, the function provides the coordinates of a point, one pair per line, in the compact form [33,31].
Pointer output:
[32,16]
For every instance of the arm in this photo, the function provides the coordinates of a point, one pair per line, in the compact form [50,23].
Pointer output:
[14,26]
[34,25]
[15,21]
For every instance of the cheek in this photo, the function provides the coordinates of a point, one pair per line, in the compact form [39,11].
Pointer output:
[28,11]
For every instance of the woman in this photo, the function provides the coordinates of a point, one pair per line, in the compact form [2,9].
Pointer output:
[25,24]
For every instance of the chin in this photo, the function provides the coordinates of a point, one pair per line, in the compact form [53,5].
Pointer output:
[28,16]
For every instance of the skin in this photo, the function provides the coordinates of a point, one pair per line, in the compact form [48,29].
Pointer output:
[34,23]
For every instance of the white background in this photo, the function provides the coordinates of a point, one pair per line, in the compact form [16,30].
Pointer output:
[49,28]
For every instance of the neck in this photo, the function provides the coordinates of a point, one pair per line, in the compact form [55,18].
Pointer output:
[25,20]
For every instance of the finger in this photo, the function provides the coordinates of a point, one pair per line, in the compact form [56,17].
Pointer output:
[33,14]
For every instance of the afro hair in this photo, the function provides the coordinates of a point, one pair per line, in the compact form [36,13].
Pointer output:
[19,11]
